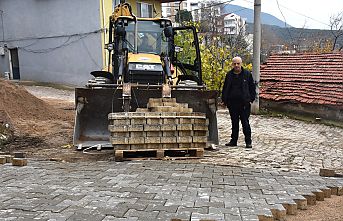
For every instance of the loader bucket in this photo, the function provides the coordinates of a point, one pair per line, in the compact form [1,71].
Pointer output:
[94,104]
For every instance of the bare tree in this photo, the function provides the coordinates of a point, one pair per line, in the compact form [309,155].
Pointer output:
[336,27]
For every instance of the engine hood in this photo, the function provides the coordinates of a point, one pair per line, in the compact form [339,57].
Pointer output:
[144,58]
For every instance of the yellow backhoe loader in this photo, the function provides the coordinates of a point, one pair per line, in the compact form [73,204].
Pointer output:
[148,59]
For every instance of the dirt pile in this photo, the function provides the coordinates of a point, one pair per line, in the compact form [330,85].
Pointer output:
[34,122]
[17,104]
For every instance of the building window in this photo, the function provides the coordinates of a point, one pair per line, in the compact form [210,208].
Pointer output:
[144,10]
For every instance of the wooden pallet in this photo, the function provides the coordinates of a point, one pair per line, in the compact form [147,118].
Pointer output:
[158,154]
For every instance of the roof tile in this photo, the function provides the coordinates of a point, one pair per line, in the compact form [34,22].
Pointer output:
[306,78]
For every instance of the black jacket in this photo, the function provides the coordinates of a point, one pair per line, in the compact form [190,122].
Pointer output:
[248,87]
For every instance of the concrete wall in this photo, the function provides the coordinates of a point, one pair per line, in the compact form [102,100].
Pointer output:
[315,110]
[57,41]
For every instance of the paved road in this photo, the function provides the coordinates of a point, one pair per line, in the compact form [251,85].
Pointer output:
[281,143]
[149,190]
[281,168]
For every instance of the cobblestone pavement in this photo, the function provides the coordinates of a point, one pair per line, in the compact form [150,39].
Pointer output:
[279,174]
[153,190]
[281,143]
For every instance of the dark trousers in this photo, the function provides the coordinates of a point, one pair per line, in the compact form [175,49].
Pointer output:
[240,111]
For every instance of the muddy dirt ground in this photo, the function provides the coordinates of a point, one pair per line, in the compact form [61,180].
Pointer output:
[42,127]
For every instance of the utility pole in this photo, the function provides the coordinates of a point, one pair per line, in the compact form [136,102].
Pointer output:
[256,54]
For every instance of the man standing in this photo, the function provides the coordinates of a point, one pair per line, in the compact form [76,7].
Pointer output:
[238,93]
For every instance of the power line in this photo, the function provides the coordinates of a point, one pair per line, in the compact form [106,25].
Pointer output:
[277,2]
[301,14]
[54,36]
[64,44]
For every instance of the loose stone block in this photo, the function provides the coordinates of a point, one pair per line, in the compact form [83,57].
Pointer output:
[201,133]
[136,140]
[118,128]
[170,121]
[148,127]
[301,202]
[168,127]
[327,172]
[184,127]
[142,110]
[168,139]
[199,139]
[168,99]
[184,139]
[169,133]
[185,133]
[291,208]
[8,158]
[119,140]
[150,140]
[334,190]
[135,114]
[200,127]
[168,114]
[186,120]
[19,155]
[137,134]
[2,160]
[200,121]
[311,199]
[153,121]
[162,109]
[136,127]
[279,212]
[265,218]
[340,191]
[170,104]
[138,120]
[319,195]
[153,133]
[327,192]
[19,162]
[122,121]
[120,134]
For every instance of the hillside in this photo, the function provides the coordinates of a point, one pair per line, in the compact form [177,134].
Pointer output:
[248,14]
[272,34]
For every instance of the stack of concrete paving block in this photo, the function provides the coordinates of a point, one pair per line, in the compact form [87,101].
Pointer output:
[164,124]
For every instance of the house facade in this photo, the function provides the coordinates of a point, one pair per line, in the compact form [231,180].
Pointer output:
[58,41]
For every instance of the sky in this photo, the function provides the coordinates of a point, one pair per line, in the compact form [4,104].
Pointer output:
[311,14]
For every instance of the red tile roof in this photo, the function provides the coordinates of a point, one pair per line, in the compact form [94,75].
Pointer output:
[305,78]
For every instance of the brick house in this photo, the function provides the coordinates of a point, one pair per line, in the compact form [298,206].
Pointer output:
[310,84]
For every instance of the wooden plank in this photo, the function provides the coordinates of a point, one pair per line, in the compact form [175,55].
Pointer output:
[156,154]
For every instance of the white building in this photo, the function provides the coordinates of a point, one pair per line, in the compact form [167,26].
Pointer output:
[234,25]
[170,9]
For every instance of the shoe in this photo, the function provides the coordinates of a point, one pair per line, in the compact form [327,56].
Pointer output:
[231,144]
[248,146]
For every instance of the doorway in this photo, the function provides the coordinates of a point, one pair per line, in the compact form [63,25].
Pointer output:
[14,62]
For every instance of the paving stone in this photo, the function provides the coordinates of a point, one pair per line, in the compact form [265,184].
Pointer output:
[183,190]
